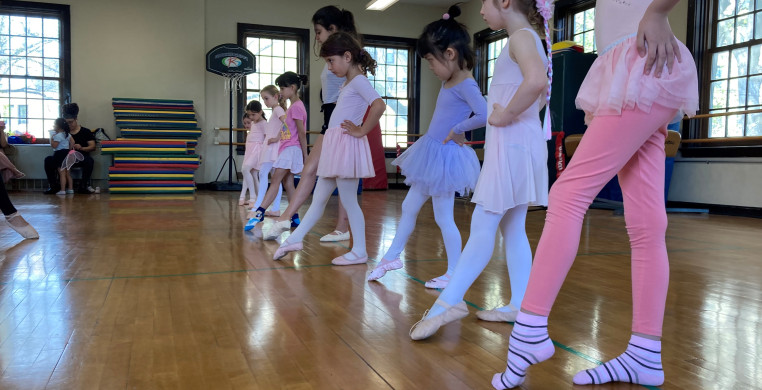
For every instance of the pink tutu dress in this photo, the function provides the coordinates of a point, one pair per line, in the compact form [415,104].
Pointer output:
[344,156]
[272,130]
[515,169]
[616,81]
[254,139]
[441,169]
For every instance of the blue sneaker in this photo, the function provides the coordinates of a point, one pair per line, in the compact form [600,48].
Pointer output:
[259,216]
[295,221]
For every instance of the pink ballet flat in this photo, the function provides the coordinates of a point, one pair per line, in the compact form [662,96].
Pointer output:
[426,327]
[21,226]
[438,282]
[276,229]
[284,249]
[241,202]
[496,315]
[343,260]
[383,267]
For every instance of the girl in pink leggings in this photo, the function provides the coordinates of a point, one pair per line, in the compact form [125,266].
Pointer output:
[641,79]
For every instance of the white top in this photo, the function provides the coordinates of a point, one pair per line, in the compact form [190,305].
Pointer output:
[63,141]
[331,84]
[617,19]
[353,102]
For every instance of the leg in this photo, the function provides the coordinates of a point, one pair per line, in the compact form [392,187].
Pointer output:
[348,197]
[51,171]
[276,204]
[323,191]
[5,201]
[62,178]
[87,171]
[14,219]
[642,181]
[609,143]
[342,221]
[248,183]
[443,215]
[306,182]
[412,204]
[262,187]
[450,306]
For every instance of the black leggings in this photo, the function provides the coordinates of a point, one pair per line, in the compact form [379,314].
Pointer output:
[327,110]
[5,202]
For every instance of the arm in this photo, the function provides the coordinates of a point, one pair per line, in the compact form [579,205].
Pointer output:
[473,97]
[655,38]
[377,109]
[522,48]
[89,148]
[302,136]
[53,142]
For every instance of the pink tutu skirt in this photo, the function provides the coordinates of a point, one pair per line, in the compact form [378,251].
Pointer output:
[344,156]
[290,158]
[252,155]
[439,169]
[616,82]
[269,153]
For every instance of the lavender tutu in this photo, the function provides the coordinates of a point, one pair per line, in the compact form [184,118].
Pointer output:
[290,158]
[439,169]
[344,156]
[616,82]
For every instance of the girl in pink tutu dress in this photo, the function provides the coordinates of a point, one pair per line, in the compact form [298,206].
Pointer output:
[345,157]
[271,97]
[641,79]
[438,164]
[514,175]
[253,148]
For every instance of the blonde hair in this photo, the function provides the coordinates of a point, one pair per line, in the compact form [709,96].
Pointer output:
[273,90]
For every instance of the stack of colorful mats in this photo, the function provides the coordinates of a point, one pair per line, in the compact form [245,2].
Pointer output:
[156,150]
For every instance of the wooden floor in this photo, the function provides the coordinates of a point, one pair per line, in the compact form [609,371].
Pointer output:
[130,292]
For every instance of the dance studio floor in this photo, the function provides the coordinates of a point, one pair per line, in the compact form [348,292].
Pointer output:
[134,292]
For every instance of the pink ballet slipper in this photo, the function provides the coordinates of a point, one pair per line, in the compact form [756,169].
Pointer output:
[383,267]
[346,260]
[284,249]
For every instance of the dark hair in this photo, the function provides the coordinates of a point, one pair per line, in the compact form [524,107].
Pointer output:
[256,106]
[440,35]
[273,90]
[70,111]
[290,78]
[339,43]
[61,122]
[341,18]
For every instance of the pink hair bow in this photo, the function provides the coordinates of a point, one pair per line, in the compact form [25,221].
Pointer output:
[545,7]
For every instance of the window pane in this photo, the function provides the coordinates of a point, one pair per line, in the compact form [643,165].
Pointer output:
[5,65]
[754,125]
[253,45]
[52,48]
[719,94]
[18,46]
[717,127]
[279,48]
[744,6]
[34,108]
[744,26]
[291,49]
[291,63]
[18,66]
[51,68]
[735,125]
[34,66]
[51,109]
[51,28]
[265,47]
[738,62]
[579,23]
[755,91]
[5,109]
[755,60]
[5,24]
[590,19]
[725,32]
[758,25]
[18,25]
[720,65]
[34,27]
[4,87]
[589,39]
[5,45]
[726,8]
[34,47]
[737,93]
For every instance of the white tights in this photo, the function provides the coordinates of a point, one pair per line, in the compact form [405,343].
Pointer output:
[264,170]
[478,252]
[348,197]
[250,181]
[443,215]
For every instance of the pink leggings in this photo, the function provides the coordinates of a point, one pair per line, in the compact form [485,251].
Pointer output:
[632,146]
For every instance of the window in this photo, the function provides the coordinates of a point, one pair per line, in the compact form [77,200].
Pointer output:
[489,44]
[575,21]
[396,80]
[735,74]
[34,65]
[277,50]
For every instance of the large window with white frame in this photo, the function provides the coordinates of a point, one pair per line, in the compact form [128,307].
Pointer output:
[396,80]
[34,65]
[277,50]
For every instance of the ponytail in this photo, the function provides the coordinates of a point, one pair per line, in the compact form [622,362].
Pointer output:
[273,90]
[290,78]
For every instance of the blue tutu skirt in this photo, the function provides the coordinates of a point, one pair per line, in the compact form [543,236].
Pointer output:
[439,169]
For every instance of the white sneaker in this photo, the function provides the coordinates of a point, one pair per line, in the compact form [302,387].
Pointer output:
[335,236]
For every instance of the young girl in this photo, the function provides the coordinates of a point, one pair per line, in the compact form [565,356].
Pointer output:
[12,216]
[326,21]
[515,172]
[271,97]
[631,94]
[438,165]
[8,171]
[249,162]
[293,140]
[61,141]
[346,156]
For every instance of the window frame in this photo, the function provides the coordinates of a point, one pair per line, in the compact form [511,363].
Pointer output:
[62,12]
[414,80]
[700,41]
[482,40]
[563,17]
[302,35]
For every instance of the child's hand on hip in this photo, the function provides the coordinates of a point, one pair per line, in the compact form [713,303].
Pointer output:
[352,129]
[655,39]
[498,117]
[459,139]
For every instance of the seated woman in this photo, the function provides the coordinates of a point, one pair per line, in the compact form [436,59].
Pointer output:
[84,142]
[8,171]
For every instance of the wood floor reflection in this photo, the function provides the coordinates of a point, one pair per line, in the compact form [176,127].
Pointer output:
[130,292]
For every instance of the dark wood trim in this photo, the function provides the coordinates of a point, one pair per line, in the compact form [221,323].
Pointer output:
[482,39]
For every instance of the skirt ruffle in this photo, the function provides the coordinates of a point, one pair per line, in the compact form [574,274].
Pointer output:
[290,158]
[252,155]
[439,169]
[344,156]
[616,82]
